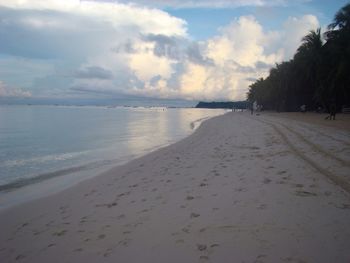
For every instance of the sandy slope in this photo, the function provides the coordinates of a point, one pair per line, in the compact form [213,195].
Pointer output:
[242,188]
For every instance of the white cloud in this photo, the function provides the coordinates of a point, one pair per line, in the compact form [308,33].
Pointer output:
[207,3]
[295,29]
[117,15]
[110,48]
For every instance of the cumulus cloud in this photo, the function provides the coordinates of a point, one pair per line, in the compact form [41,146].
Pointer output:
[206,3]
[6,91]
[108,48]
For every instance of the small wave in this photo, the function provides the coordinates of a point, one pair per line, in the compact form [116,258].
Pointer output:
[195,124]
[41,177]
[43,159]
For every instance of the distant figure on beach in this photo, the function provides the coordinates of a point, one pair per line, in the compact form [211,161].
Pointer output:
[332,111]
[303,108]
[251,110]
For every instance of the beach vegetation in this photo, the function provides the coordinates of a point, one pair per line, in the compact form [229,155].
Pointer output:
[317,76]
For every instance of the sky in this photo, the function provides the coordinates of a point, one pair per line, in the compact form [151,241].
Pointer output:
[173,49]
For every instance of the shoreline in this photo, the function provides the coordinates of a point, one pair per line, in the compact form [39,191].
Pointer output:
[232,190]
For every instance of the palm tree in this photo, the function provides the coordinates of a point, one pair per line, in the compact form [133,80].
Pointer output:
[341,19]
[338,57]
[307,61]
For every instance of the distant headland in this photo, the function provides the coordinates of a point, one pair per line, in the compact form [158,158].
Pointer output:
[223,105]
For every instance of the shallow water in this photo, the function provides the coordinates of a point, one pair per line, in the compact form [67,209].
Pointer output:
[41,142]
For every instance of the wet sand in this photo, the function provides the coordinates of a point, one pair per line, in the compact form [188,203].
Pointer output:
[242,188]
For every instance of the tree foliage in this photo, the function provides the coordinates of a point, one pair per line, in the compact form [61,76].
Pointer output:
[318,74]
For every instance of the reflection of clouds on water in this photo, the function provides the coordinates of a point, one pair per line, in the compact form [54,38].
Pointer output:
[160,127]
[147,132]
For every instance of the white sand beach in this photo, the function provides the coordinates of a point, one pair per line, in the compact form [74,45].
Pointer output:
[242,188]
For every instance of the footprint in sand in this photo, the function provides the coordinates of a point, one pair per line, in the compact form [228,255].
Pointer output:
[108,205]
[102,236]
[327,193]
[180,241]
[60,233]
[343,206]
[108,252]
[185,230]
[201,247]
[194,215]
[125,242]
[305,193]
[260,258]
[267,181]
[262,206]
[281,172]
[90,193]
[121,216]
[20,257]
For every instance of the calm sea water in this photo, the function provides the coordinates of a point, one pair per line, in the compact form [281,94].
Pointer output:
[40,142]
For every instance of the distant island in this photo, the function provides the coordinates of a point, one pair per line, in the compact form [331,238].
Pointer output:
[223,105]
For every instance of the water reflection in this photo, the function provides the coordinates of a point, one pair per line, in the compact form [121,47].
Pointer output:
[159,127]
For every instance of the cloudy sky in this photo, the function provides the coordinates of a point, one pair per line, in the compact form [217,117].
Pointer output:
[188,49]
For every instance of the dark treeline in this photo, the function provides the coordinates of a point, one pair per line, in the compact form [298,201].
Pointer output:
[317,76]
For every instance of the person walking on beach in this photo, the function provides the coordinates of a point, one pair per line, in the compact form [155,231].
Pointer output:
[332,111]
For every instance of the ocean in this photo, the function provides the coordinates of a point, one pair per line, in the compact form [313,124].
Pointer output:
[39,143]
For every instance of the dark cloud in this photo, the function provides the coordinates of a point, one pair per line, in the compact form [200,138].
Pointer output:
[93,73]
[166,46]
[126,47]
[178,48]
[194,54]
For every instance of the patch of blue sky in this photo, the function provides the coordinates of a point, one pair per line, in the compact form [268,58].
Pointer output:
[204,23]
